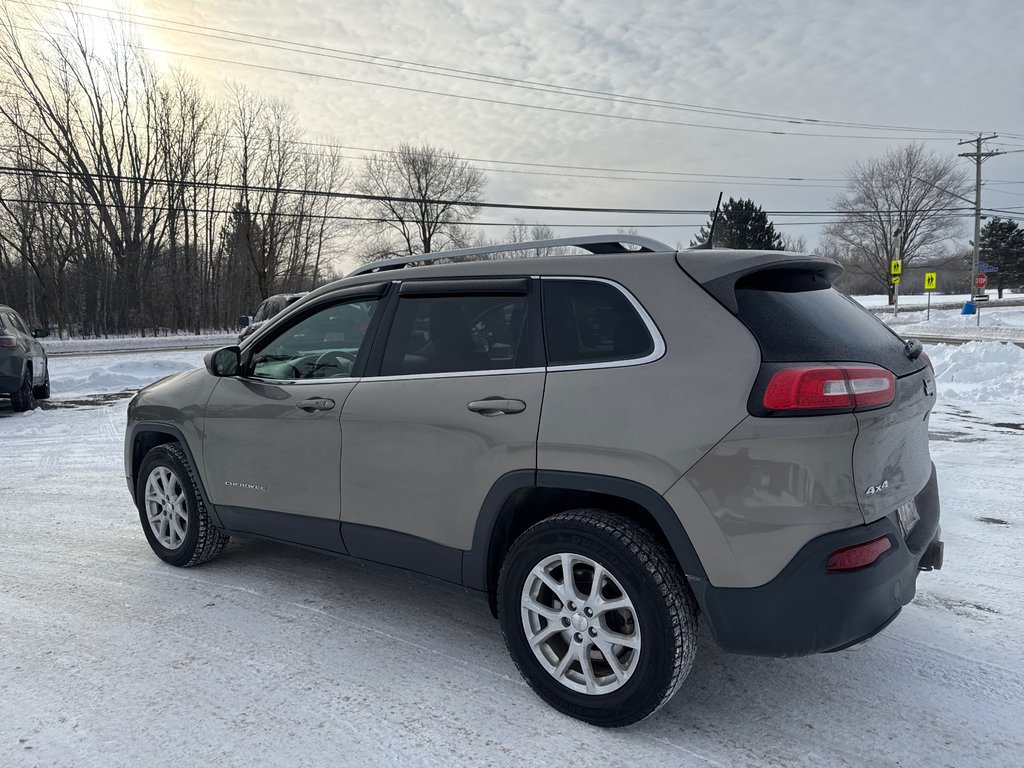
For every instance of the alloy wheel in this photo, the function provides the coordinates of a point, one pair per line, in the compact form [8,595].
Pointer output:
[580,623]
[165,507]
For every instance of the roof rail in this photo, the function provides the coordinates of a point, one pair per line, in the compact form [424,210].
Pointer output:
[592,243]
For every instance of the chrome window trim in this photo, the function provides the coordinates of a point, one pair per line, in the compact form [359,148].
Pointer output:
[453,374]
[659,342]
[302,382]
[403,377]
[656,354]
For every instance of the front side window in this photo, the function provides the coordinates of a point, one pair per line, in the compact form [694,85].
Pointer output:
[446,334]
[591,322]
[323,345]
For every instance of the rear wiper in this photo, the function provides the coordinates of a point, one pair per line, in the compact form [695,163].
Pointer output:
[913,348]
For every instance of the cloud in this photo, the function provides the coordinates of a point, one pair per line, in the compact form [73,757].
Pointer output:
[916,63]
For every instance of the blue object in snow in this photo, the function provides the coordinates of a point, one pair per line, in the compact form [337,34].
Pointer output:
[969,308]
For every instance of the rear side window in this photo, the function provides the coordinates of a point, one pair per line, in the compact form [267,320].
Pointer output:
[457,333]
[265,312]
[591,322]
[798,317]
[14,322]
[449,334]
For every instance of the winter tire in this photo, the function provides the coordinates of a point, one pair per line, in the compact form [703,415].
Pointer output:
[171,509]
[24,399]
[597,617]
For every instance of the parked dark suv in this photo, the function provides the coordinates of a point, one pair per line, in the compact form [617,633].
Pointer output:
[606,445]
[269,307]
[24,368]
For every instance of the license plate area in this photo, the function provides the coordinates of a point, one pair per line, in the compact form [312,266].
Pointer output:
[908,516]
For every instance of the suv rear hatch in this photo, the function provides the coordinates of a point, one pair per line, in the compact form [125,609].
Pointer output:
[805,326]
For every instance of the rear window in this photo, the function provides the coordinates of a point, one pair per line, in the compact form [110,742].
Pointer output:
[799,317]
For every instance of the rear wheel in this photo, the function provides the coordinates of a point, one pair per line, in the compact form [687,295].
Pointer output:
[597,617]
[171,509]
[24,399]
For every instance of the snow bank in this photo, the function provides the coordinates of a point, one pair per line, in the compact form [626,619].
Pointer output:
[119,343]
[881,300]
[100,374]
[979,372]
[996,323]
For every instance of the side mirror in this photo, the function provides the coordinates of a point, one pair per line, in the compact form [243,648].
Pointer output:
[224,362]
[40,333]
[245,321]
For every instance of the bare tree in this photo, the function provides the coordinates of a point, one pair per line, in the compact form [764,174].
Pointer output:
[89,115]
[794,243]
[423,197]
[131,201]
[903,205]
[521,232]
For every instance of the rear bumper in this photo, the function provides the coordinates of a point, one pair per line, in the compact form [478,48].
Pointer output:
[806,609]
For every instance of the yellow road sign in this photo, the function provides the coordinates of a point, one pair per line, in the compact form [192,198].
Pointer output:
[929,281]
[895,280]
[896,268]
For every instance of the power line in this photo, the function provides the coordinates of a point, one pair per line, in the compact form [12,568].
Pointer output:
[294,46]
[714,176]
[155,181]
[368,219]
[524,105]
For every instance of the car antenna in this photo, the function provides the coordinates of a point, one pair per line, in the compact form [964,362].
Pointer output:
[714,218]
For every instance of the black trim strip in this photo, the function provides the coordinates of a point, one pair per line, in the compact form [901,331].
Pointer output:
[412,553]
[315,532]
[500,286]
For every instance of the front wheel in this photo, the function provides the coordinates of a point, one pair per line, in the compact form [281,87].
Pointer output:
[24,399]
[172,511]
[597,617]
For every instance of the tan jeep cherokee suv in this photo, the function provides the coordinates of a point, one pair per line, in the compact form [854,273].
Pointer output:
[607,445]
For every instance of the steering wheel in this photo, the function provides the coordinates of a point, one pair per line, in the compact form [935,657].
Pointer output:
[338,355]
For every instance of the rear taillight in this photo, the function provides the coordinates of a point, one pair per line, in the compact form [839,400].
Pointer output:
[860,556]
[924,356]
[7,342]
[829,387]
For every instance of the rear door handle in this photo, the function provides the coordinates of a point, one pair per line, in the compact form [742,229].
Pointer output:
[316,404]
[496,406]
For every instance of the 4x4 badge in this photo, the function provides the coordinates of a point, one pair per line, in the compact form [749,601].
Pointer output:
[929,387]
[877,488]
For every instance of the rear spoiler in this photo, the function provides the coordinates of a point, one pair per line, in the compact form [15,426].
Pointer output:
[718,271]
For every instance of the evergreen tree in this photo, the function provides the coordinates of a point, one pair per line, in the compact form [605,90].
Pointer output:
[741,224]
[1002,246]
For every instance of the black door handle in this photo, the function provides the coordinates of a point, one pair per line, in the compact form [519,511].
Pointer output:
[496,406]
[316,404]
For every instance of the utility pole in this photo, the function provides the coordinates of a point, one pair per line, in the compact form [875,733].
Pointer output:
[978,157]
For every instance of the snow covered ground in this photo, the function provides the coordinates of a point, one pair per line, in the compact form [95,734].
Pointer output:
[880,300]
[275,656]
[995,323]
[997,320]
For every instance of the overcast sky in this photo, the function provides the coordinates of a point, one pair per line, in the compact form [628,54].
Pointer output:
[921,63]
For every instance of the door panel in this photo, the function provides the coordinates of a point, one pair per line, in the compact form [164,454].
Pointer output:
[273,435]
[417,460]
[265,452]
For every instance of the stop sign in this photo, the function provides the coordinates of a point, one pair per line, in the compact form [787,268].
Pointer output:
[980,280]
